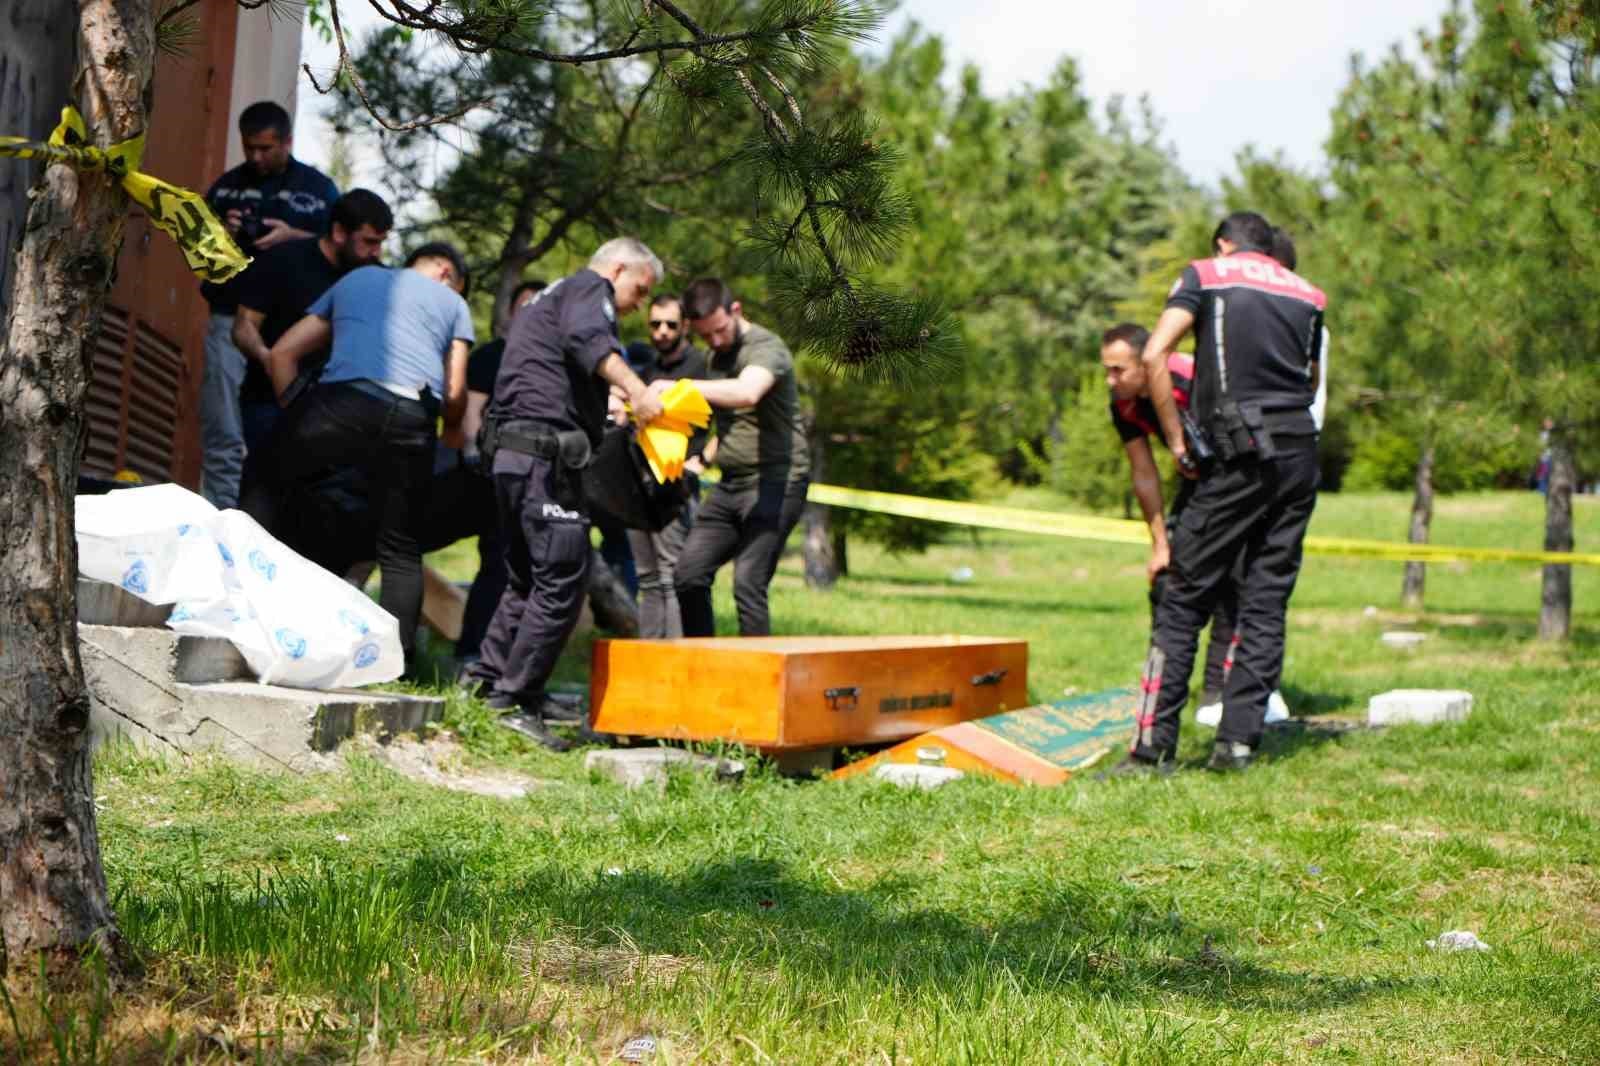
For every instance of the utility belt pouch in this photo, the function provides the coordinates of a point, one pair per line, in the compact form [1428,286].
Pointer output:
[1256,425]
[1239,432]
[573,449]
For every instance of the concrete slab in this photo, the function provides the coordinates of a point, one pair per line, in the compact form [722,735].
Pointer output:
[135,692]
[637,767]
[103,604]
[161,655]
[1425,706]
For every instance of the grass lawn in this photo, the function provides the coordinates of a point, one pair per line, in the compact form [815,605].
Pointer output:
[1275,917]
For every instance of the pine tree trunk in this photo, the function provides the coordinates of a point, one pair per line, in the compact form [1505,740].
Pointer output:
[1421,519]
[52,885]
[823,546]
[1555,607]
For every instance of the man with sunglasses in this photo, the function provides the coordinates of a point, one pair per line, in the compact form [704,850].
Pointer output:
[670,355]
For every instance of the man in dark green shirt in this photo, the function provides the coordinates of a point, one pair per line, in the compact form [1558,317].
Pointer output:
[762,453]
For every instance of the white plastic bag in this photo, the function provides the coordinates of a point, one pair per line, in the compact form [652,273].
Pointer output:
[294,623]
[153,542]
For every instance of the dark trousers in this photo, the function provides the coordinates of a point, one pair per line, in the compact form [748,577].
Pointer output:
[546,537]
[1222,641]
[656,554]
[464,505]
[391,440]
[749,526]
[1255,511]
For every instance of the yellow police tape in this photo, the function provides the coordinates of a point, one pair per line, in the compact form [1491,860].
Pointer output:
[1120,531]
[177,212]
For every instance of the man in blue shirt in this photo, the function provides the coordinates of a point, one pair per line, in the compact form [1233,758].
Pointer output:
[268,200]
[399,343]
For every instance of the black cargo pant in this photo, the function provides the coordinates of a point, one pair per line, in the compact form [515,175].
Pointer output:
[545,531]
[1224,636]
[1257,510]
[749,526]
[391,440]
[464,505]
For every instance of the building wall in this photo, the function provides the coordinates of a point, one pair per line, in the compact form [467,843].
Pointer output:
[266,66]
[38,45]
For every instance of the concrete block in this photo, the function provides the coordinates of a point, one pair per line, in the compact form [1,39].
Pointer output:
[1424,706]
[104,604]
[913,775]
[637,767]
[135,692]
[162,655]
[1402,640]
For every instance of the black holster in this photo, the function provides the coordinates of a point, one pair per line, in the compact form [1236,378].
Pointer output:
[1239,431]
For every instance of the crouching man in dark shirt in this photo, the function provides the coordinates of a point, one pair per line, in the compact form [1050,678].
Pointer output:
[276,292]
[561,360]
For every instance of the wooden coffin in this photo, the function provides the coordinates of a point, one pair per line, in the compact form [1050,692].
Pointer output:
[795,693]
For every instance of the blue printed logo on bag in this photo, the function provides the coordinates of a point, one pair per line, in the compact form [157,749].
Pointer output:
[366,655]
[227,556]
[262,565]
[355,622]
[180,613]
[292,643]
[137,579]
[184,529]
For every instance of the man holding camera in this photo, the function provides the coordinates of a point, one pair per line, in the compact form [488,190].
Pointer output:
[1258,334]
[266,201]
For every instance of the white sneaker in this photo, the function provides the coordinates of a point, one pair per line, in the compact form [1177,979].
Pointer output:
[1210,715]
[1277,710]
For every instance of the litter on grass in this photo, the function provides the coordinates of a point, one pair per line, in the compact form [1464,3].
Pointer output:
[1458,940]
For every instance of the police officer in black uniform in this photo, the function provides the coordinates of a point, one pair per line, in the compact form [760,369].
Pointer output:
[562,360]
[1258,334]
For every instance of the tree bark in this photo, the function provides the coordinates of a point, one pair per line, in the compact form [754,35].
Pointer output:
[823,544]
[1421,520]
[52,885]
[1555,607]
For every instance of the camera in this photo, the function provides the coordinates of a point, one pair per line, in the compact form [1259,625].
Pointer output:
[251,227]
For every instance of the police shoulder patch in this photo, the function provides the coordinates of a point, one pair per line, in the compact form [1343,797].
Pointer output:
[609,309]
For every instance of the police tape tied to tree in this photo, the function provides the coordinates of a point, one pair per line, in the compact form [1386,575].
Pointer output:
[180,213]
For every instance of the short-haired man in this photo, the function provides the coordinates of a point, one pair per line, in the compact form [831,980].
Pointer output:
[670,355]
[281,285]
[266,201]
[1135,420]
[562,358]
[399,346]
[762,453]
[1258,334]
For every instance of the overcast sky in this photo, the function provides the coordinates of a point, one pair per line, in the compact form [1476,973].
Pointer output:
[1221,73]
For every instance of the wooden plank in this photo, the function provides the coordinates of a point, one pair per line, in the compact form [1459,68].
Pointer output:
[444,606]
